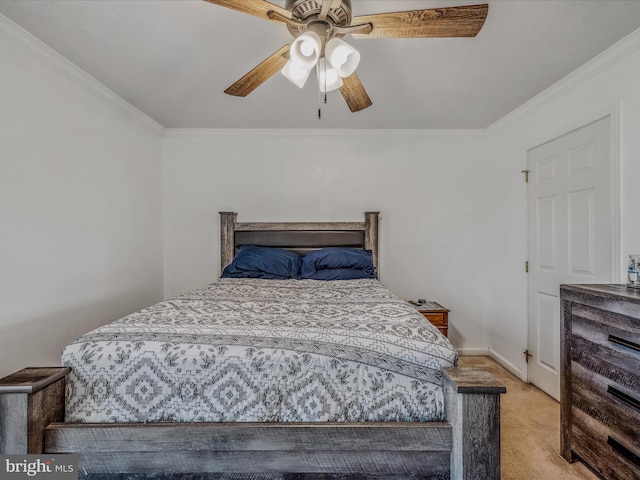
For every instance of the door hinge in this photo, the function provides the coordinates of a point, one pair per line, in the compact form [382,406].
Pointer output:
[526,266]
[526,175]
[527,355]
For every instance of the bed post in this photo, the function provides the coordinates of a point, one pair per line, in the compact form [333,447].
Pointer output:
[227,238]
[371,237]
[29,401]
[472,406]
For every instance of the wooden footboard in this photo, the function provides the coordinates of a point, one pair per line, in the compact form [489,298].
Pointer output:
[29,401]
[472,405]
[465,447]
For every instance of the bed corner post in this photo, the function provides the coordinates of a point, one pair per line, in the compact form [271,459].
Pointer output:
[227,238]
[371,237]
[472,406]
[30,400]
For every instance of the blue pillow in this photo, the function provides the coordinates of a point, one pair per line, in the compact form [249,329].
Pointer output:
[263,262]
[338,258]
[339,274]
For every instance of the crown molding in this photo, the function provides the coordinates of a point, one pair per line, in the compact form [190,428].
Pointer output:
[610,57]
[321,133]
[35,48]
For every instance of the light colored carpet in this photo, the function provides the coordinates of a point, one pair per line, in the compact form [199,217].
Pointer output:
[530,430]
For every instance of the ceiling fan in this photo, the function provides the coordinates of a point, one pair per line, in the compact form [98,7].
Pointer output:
[318,27]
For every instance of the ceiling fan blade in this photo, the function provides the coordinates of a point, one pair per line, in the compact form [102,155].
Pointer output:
[258,8]
[354,93]
[260,74]
[463,21]
[326,6]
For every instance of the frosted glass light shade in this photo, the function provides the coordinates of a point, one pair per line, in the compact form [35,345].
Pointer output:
[295,74]
[328,77]
[305,50]
[342,56]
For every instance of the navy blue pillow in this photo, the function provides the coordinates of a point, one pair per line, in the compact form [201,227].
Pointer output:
[339,274]
[350,263]
[263,262]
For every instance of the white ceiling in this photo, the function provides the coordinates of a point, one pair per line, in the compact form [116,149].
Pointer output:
[173,60]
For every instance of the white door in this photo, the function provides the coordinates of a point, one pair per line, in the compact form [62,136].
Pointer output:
[569,193]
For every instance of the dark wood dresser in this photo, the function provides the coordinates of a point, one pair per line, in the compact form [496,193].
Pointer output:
[600,378]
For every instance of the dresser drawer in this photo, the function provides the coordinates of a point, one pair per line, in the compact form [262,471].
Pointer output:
[436,319]
[444,331]
[620,371]
[617,340]
[608,452]
[608,329]
[615,407]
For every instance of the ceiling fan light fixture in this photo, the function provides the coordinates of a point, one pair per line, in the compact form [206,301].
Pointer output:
[328,77]
[342,56]
[306,50]
[296,74]
[318,25]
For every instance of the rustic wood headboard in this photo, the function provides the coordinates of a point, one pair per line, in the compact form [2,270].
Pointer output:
[299,236]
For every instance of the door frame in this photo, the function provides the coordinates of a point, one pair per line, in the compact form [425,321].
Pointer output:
[615,275]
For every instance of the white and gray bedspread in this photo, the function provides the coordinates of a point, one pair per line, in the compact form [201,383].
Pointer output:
[263,350]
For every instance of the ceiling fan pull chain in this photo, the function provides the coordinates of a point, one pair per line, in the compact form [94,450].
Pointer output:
[325,81]
[319,97]
[320,92]
[328,36]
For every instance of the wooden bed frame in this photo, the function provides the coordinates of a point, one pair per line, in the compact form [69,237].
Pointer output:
[466,446]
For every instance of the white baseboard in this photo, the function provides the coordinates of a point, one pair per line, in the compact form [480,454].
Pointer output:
[507,364]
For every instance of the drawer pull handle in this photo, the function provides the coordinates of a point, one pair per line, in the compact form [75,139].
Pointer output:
[624,451]
[628,399]
[625,343]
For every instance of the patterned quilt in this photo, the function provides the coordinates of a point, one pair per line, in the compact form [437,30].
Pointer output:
[263,350]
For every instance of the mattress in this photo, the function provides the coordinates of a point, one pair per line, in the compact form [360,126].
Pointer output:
[260,350]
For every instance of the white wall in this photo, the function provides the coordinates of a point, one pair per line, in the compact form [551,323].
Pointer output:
[608,85]
[80,220]
[433,206]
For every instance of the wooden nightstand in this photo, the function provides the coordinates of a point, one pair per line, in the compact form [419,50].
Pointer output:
[436,314]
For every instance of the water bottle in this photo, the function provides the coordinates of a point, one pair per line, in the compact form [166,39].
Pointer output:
[633,275]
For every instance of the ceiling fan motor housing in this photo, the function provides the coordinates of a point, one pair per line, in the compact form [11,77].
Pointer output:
[308,10]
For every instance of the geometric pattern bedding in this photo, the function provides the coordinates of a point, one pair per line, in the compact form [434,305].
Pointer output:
[263,350]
